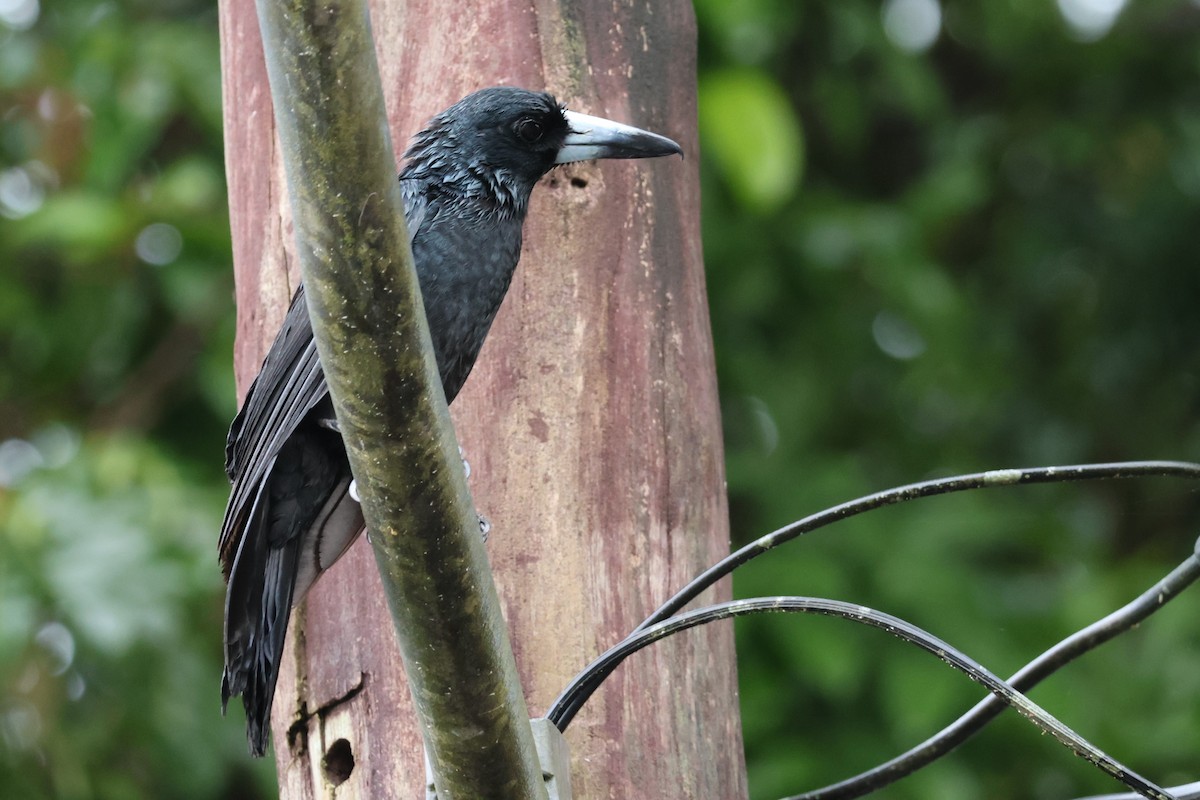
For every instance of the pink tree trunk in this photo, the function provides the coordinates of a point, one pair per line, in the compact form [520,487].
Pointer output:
[591,421]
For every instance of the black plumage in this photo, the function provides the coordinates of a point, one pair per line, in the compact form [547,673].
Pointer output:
[466,185]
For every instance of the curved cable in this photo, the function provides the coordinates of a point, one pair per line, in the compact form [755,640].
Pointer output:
[582,687]
[1024,679]
[912,491]
[958,483]
[1187,791]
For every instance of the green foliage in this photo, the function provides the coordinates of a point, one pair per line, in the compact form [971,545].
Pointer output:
[108,640]
[990,263]
[759,150]
[920,261]
[115,319]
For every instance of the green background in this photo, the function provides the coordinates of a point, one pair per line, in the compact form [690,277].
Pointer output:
[935,244]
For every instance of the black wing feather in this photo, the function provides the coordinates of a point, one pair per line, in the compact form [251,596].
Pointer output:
[287,470]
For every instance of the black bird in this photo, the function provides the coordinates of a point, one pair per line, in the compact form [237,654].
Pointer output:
[466,185]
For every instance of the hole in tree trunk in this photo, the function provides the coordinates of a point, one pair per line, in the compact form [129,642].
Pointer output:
[338,762]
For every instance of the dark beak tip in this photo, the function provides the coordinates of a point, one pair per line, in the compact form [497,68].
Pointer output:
[666,149]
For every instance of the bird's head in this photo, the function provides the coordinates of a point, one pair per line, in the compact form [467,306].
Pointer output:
[515,135]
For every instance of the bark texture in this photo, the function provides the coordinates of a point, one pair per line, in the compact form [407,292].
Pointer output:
[591,421]
[365,304]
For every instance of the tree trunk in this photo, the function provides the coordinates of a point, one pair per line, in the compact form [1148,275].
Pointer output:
[591,421]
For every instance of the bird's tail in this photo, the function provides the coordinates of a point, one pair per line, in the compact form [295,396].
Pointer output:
[257,604]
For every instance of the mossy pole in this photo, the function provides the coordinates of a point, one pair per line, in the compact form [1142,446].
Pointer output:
[371,333]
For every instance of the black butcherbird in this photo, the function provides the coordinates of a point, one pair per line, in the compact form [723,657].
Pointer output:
[466,185]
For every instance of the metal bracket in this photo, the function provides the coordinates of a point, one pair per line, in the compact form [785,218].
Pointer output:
[553,755]
[555,758]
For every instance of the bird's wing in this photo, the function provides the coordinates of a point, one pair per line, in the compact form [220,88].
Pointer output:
[287,388]
[290,384]
[290,515]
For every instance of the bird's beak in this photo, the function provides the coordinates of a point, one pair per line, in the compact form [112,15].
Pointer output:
[594,137]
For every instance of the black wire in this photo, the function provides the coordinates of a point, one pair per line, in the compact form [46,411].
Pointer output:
[1025,679]
[583,686]
[1187,791]
[913,491]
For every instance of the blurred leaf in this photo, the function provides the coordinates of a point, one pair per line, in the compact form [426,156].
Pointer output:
[753,133]
[81,224]
[114,670]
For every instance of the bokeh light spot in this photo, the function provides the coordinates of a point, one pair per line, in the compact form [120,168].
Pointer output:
[912,25]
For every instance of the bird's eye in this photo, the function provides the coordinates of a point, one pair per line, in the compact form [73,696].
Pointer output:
[530,130]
